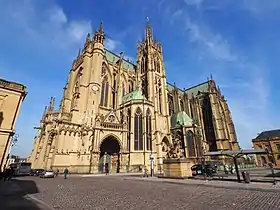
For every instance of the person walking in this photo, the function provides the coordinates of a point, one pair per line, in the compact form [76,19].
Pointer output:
[57,172]
[66,173]
[106,168]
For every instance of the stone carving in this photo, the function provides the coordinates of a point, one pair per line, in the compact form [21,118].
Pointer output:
[175,150]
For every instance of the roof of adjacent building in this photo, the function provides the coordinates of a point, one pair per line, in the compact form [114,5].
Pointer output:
[181,118]
[12,86]
[266,135]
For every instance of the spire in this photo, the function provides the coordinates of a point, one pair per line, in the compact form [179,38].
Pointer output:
[138,81]
[51,105]
[87,40]
[79,53]
[44,114]
[149,35]
[99,35]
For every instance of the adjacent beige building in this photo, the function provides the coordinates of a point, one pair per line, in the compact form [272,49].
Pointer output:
[117,112]
[269,140]
[11,97]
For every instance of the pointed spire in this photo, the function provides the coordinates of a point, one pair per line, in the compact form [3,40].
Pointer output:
[99,35]
[79,53]
[87,40]
[219,90]
[149,35]
[101,28]
[51,105]
[138,81]
[44,113]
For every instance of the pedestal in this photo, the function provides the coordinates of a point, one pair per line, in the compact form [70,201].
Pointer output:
[177,168]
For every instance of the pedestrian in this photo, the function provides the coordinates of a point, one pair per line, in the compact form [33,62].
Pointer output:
[66,173]
[56,173]
[106,168]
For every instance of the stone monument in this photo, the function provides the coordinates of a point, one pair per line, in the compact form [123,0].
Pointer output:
[176,165]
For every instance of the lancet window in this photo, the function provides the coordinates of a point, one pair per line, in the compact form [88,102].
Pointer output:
[138,130]
[190,144]
[105,87]
[149,130]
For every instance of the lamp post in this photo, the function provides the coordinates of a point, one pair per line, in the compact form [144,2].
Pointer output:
[14,140]
[152,163]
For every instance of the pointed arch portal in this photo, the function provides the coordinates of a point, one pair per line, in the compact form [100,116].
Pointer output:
[109,154]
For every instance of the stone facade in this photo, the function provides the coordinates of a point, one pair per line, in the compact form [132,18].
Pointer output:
[269,140]
[11,97]
[117,112]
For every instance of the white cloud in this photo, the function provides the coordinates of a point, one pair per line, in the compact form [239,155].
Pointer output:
[44,25]
[111,44]
[245,84]
[216,46]
[257,7]
[194,2]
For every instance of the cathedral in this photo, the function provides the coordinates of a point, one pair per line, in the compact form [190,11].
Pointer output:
[118,113]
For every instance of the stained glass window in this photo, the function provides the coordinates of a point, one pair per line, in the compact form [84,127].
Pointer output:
[138,130]
[149,130]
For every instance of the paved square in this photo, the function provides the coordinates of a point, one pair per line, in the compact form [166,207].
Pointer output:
[116,193]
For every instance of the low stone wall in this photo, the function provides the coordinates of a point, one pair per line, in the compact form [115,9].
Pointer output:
[177,168]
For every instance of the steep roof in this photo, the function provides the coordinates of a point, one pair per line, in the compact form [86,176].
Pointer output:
[113,58]
[181,118]
[130,66]
[202,87]
[134,95]
[266,135]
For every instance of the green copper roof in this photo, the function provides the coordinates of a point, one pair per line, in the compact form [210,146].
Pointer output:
[203,87]
[134,95]
[181,118]
[113,58]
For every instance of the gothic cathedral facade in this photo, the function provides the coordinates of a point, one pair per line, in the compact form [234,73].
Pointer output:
[116,112]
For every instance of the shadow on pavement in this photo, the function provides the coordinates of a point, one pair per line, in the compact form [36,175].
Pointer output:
[14,195]
[277,174]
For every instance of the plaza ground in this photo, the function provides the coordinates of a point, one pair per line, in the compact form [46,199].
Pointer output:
[128,192]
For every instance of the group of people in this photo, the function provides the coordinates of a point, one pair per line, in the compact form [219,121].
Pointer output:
[65,172]
[7,174]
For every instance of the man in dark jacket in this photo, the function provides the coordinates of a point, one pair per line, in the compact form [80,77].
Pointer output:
[66,173]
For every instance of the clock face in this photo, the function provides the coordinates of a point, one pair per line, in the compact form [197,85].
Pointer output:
[94,88]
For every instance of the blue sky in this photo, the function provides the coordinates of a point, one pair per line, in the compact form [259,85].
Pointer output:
[235,41]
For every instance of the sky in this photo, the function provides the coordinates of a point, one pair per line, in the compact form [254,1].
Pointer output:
[237,42]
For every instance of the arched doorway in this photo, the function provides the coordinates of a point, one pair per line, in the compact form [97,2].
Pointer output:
[109,154]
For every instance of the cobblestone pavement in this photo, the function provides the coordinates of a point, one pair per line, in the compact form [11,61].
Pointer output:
[117,193]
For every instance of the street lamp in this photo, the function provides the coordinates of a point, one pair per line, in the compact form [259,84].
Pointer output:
[152,158]
[14,140]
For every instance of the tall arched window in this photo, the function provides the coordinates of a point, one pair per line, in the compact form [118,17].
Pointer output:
[142,65]
[123,89]
[129,127]
[76,90]
[190,144]
[138,130]
[130,86]
[181,105]
[159,100]
[149,130]
[171,105]
[104,92]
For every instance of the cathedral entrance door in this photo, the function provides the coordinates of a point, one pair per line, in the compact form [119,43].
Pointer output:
[110,154]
